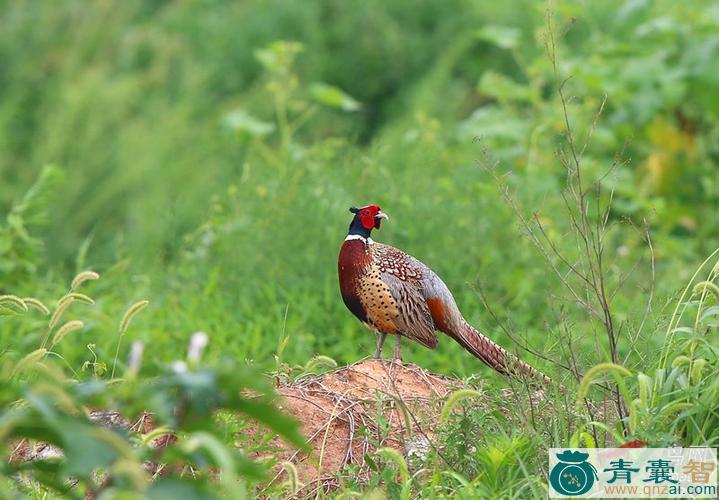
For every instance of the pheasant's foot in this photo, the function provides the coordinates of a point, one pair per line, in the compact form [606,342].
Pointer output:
[397,348]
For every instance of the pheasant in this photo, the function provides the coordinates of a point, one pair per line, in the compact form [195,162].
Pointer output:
[393,293]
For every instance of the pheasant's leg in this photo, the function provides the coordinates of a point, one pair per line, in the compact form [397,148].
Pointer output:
[380,343]
[397,346]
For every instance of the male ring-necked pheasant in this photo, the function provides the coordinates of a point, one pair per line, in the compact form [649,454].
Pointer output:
[394,293]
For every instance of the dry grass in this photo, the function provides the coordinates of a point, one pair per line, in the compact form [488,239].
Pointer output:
[357,409]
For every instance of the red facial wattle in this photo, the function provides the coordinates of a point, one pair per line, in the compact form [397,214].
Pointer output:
[367,221]
[368,217]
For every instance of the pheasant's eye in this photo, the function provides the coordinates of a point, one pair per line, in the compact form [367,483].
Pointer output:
[366,212]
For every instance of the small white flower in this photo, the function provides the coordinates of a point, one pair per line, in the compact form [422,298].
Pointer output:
[198,342]
[179,366]
[133,364]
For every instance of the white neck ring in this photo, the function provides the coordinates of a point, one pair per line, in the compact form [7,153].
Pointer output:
[368,241]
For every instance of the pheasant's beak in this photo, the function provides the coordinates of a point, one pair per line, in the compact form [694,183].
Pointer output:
[378,219]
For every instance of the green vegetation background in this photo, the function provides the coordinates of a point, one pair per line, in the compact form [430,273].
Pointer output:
[206,153]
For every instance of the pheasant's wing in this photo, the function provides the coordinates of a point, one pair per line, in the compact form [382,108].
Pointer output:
[414,319]
[402,274]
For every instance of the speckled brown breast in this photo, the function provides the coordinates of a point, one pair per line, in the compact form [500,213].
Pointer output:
[363,291]
[376,298]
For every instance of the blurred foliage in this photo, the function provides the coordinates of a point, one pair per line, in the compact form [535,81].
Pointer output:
[209,152]
[96,457]
[217,146]
[18,248]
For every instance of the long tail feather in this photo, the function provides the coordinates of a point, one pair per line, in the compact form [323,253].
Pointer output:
[495,356]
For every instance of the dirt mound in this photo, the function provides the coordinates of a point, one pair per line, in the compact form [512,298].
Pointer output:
[357,409]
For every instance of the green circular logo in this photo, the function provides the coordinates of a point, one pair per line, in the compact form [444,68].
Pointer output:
[573,475]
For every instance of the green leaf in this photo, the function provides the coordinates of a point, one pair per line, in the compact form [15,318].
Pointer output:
[370,462]
[710,316]
[504,37]
[83,452]
[241,121]
[334,97]
[273,418]
[33,428]
[32,207]
[44,472]
[502,88]
[5,311]
[494,122]
[172,488]
[278,56]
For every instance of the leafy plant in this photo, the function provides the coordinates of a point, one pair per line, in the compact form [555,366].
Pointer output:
[42,406]
[294,105]
[675,403]
[19,248]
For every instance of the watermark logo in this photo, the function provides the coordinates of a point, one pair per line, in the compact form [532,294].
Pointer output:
[633,473]
[572,475]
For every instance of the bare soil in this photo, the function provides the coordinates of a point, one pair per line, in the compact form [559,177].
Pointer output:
[356,409]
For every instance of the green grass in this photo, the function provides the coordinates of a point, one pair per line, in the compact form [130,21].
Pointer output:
[202,162]
[225,230]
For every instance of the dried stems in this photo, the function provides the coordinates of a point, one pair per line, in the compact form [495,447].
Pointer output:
[582,273]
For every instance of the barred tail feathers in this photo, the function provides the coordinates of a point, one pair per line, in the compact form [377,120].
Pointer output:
[495,356]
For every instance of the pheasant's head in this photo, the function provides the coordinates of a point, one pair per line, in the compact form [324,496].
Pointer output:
[366,219]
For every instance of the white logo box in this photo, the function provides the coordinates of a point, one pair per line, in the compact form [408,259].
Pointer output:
[633,473]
